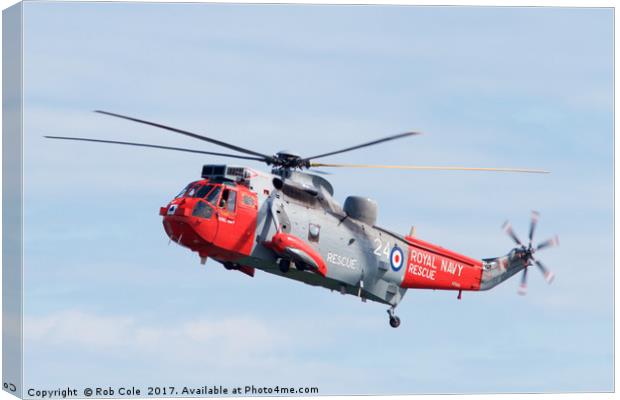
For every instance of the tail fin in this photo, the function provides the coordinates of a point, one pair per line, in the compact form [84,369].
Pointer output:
[497,270]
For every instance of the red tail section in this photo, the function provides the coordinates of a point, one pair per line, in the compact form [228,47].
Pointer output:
[432,267]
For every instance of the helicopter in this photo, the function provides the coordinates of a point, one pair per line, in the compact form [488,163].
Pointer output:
[287,223]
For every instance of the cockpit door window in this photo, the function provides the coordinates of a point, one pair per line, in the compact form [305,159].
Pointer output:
[228,200]
[232,200]
[213,196]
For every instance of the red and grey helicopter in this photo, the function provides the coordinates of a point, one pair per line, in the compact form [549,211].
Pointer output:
[288,223]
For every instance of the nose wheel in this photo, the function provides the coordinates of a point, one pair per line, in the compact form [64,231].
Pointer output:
[394,320]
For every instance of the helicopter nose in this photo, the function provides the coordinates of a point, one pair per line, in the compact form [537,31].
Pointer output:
[178,208]
[189,223]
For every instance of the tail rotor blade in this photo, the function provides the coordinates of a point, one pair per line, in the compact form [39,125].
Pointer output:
[553,242]
[508,229]
[523,286]
[526,254]
[533,222]
[548,274]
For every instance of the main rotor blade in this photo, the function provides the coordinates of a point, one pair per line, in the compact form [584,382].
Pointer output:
[359,146]
[265,157]
[554,241]
[508,229]
[154,146]
[533,222]
[418,167]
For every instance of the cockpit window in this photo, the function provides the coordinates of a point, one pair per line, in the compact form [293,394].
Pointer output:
[185,189]
[232,200]
[202,210]
[202,192]
[228,200]
[213,195]
[191,191]
[195,189]
[224,199]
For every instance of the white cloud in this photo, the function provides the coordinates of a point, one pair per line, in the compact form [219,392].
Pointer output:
[79,329]
[229,337]
[235,350]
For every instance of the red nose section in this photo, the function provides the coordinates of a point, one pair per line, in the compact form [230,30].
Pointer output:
[190,223]
[221,229]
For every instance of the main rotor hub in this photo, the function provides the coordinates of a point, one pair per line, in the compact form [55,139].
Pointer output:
[290,159]
[288,154]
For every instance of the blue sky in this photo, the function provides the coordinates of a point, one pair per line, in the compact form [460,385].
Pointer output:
[504,87]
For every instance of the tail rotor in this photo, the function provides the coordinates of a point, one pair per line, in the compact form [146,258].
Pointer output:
[523,286]
[553,242]
[546,273]
[526,253]
[507,227]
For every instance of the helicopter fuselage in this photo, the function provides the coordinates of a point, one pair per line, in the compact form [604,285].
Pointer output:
[234,215]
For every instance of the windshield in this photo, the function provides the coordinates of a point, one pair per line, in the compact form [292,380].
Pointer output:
[195,189]
[202,191]
[185,189]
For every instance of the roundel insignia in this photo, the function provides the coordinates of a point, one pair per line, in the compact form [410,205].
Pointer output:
[396,258]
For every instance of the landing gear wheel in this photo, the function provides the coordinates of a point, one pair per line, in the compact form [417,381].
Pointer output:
[300,266]
[285,265]
[394,320]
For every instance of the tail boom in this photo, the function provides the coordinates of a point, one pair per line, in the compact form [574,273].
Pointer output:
[497,270]
[433,267]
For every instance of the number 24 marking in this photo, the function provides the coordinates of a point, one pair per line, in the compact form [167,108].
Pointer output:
[379,246]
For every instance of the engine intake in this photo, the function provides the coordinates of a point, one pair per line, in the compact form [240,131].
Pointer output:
[361,208]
